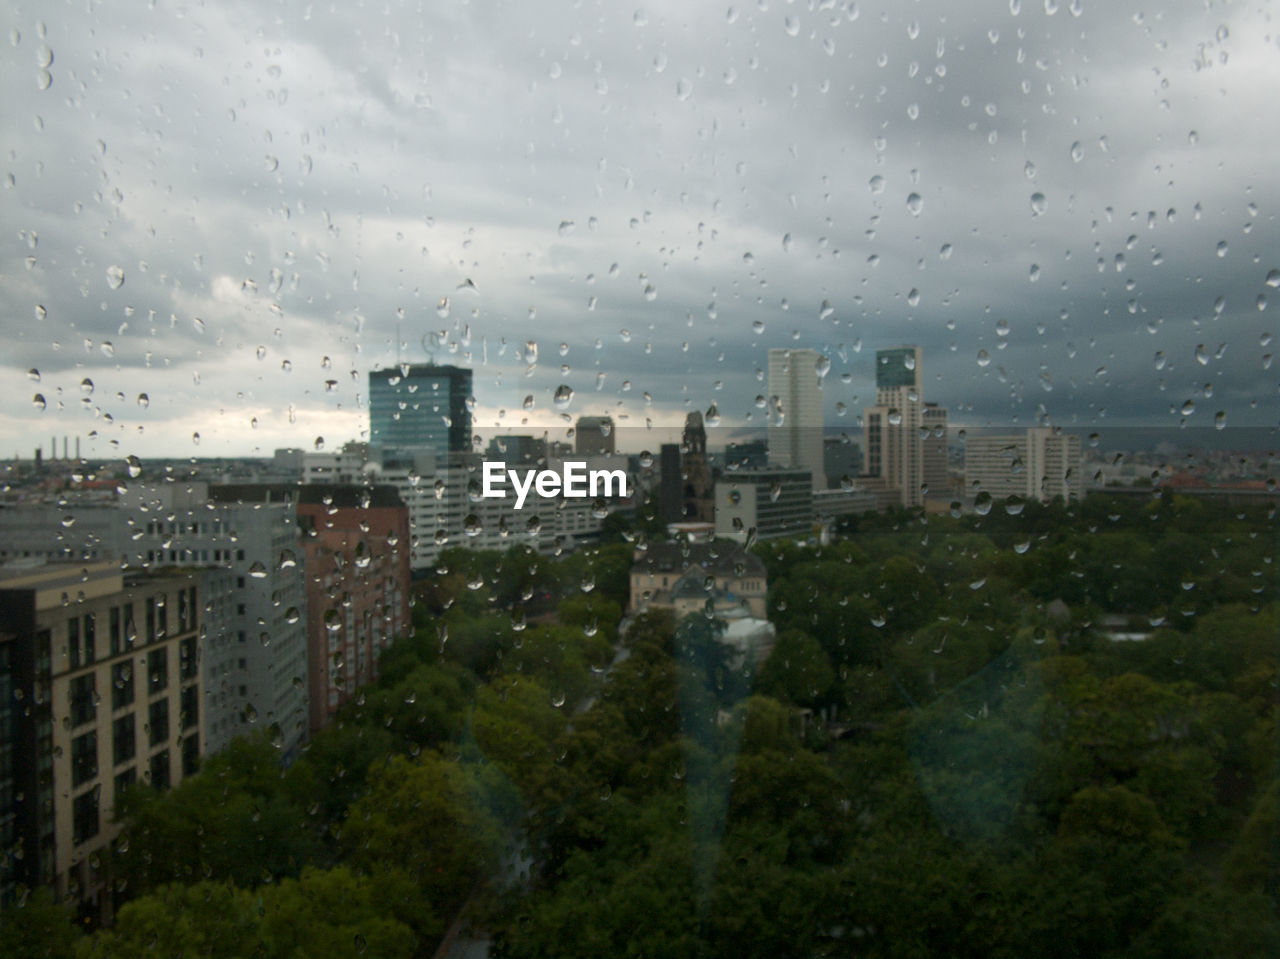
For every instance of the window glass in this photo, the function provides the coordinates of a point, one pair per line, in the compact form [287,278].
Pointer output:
[929,347]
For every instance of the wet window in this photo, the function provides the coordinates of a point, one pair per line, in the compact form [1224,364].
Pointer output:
[770,477]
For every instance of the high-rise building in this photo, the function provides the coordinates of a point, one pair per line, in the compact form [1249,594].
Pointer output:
[795,415]
[764,504]
[356,544]
[937,479]
[1040,464]
[841,460]
[671,483]
[419,408]
[593,435]
[894,439]
[107,664]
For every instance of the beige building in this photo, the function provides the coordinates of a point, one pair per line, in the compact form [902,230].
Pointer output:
[109,662]
[1036,464]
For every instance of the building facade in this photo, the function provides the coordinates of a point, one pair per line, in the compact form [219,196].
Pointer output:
[417,408]
[764,504]
[356,545]
[795,415]
[893,427]
[1039,463]
[108,669]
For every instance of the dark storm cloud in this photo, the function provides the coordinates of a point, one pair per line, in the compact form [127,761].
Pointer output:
[311,184]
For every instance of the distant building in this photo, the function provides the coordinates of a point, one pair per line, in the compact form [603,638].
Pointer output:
[419,408]
[517,450]
[841,460]
[685,576]
[1038,463]
[933,424]
[892,428]
[764,504]
[593,435]
[100,687]
[749,455]
[356,546]
[671,483]
[795,417]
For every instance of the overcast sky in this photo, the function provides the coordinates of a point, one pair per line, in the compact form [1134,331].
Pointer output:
[238,209]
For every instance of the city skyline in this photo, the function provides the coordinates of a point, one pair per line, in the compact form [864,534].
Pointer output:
[1051,203]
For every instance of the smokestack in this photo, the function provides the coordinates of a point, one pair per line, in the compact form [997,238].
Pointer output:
[77,448]
[66,454]
[53,448]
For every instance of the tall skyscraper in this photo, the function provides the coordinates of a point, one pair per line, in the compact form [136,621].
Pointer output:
[894,440]
[418,409]
[795,422]
[937,481]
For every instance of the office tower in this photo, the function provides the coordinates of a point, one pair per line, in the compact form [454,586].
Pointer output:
[101,671]
[1039,464]
[593,435]
[419,408]
[895,446]
[937,480]
[764,504]
[748,455]
[795,415]
[671,483]
[697,502]
[356,544]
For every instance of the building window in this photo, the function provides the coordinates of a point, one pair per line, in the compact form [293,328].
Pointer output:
[183,614]
[84,817]
[113,630]
[83,708]
[121,685]
[124,780]
[90,637]
[157,670]
[73,642]
[190,712]
[160,770]
[159,722]
[84,758]
[188,665]
[124,739]
[190,755]
[162,617]
[151,620]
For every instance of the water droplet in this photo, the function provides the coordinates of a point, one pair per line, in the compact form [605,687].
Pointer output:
[1273,279]
[712,416]
[442,308]
[38,401]
[133,465]
[565,228]
[115,277]
[984,358]
[1222,248]
[914,204]
[563,397]
[876,183]
[1038,204]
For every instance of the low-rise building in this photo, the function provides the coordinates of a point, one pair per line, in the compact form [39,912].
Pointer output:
[684,577]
